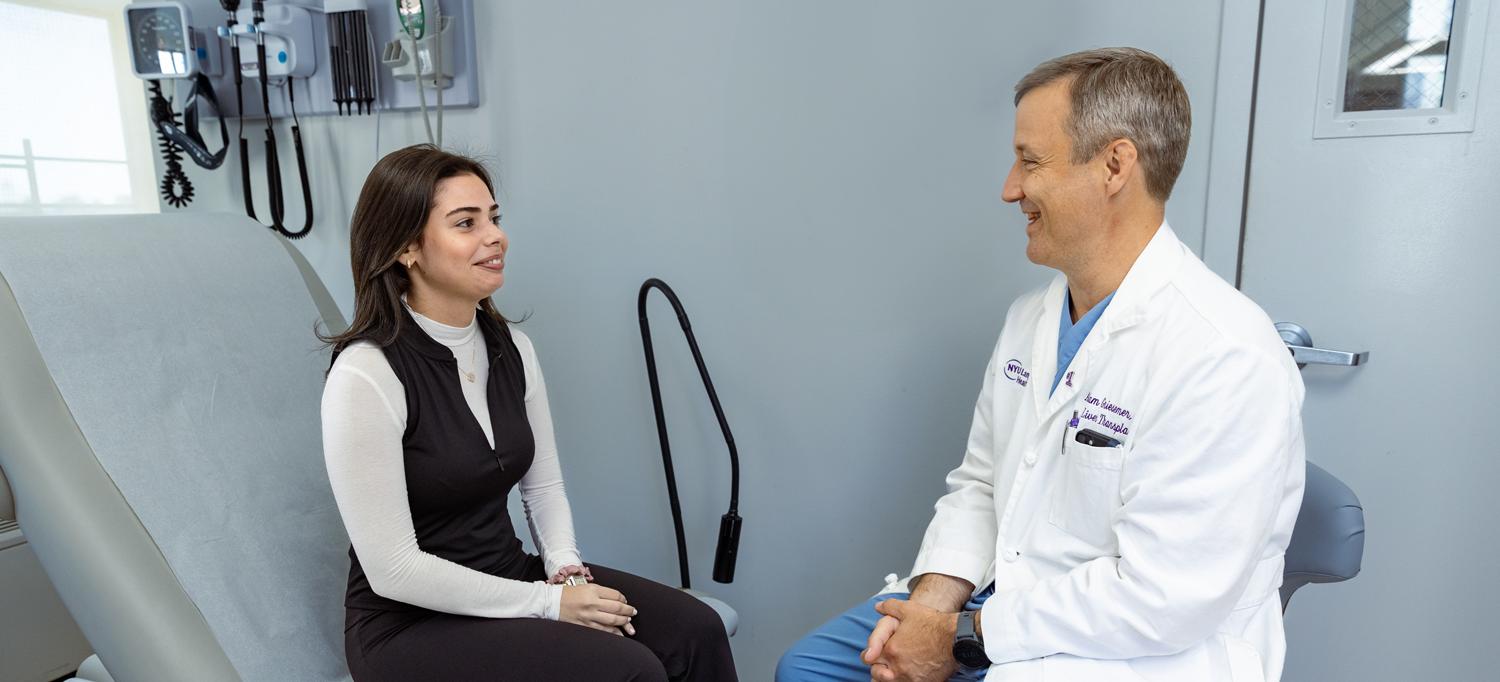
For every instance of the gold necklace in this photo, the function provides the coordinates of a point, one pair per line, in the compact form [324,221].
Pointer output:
[473,359]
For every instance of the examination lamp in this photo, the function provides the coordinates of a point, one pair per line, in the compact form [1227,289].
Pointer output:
[729,524]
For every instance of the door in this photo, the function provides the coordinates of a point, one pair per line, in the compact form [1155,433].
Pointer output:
[1369,221]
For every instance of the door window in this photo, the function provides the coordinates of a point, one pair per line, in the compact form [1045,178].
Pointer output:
[1393,67]
[1398,54]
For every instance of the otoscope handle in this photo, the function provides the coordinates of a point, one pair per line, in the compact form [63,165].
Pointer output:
[729,547]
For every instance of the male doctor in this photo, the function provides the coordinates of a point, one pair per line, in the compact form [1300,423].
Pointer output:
[1135,464]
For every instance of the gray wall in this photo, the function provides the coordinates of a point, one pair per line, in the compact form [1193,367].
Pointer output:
[820,182]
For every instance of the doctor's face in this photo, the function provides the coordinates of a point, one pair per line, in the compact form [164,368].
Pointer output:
[461,253]
[1064,203]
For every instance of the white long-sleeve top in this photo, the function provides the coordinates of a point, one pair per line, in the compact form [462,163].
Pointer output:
[364,417]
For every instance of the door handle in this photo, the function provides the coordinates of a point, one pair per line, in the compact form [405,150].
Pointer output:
[1299,341]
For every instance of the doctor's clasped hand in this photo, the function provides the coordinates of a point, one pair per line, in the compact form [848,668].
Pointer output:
[922,653]
[913,640]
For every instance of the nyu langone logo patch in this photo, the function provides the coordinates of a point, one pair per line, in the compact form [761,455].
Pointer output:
[1016,372]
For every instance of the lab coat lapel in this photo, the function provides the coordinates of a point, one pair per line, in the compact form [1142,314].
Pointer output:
[1044,345]
[1150,272]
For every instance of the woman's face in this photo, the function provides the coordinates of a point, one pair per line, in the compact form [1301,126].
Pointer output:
[461,253]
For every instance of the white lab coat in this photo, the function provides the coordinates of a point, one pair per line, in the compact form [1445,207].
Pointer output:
[1156,560]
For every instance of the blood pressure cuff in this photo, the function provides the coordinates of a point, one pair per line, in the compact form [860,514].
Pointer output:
[188,136]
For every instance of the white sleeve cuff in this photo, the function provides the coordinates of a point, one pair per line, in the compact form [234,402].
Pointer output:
[1002,640]
[557,560]
[553,602]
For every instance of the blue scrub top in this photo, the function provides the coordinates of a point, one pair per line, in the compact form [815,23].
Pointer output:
[1070,334]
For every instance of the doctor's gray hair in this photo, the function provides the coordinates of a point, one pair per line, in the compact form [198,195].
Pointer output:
[1123,92]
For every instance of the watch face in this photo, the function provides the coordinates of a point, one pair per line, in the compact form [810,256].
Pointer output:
[970,654]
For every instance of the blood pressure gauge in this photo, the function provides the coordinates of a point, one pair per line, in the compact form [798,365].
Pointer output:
[161,40]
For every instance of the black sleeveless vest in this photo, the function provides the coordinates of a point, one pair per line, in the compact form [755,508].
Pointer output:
[456,484]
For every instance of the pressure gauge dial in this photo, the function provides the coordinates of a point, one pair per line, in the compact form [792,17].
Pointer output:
[161,44]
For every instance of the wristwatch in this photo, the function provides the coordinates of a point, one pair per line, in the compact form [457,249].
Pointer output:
[575,580]
[968,648]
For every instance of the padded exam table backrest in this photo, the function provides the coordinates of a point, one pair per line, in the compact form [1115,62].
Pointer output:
[159,393]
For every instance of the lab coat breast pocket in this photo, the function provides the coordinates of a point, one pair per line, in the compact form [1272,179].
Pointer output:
[1090,492]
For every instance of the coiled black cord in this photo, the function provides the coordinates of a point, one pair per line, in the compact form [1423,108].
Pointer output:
[176,188]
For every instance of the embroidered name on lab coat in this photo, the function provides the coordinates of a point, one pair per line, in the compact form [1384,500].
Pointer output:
[1106,414]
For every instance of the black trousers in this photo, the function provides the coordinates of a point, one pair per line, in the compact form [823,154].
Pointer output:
[677,638]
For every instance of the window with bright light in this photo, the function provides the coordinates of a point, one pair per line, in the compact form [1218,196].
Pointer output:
[63,134]
[1398,54]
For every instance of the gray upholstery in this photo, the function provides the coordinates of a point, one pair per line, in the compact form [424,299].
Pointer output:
[7,504]
[159,430]
[1328,541]
[726,612]
[92,670]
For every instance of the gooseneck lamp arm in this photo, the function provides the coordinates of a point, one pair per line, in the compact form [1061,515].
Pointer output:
[729,525]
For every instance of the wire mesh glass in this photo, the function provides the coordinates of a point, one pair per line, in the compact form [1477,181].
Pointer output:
[1398,54]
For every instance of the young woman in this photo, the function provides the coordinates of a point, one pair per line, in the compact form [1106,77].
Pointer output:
[433,410]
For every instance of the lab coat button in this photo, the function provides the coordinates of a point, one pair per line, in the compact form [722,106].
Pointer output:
[1010,554]
[1030,458]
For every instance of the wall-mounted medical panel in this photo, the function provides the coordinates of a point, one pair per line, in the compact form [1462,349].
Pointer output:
[334,58]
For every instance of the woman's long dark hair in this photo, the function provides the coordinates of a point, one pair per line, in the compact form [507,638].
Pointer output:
[390,214]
